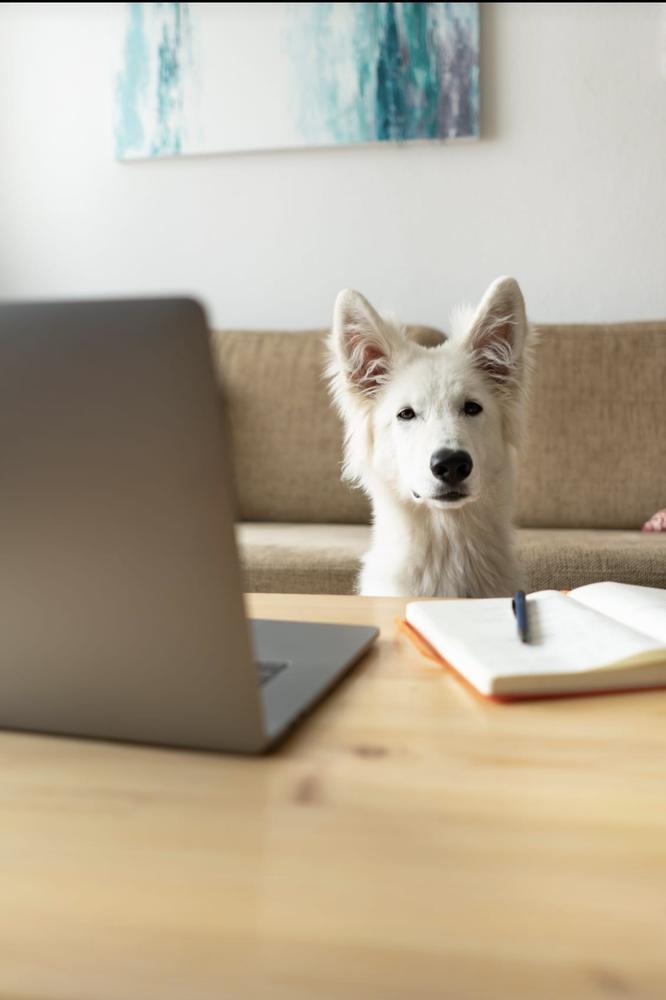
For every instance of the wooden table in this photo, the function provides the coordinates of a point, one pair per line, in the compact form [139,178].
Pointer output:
[410,840]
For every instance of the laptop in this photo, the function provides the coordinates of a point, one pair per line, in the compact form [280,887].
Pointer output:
[121,606]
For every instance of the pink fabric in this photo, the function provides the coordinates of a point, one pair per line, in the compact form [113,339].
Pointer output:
[657,522]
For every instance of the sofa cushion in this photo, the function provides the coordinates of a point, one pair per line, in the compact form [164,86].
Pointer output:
[301,558]
[325,558]
[563,558]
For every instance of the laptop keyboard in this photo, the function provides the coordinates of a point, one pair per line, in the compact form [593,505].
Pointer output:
[268,669]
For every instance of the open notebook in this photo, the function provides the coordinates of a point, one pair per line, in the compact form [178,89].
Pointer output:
[602,637]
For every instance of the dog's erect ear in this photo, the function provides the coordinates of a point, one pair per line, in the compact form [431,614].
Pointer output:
[364,343]
[498,332]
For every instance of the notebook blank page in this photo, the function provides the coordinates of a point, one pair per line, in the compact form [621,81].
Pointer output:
[479,638]
[641,608]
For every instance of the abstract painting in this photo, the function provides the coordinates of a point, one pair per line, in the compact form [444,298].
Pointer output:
[229,77]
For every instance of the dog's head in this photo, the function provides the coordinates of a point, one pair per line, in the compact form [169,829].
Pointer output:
[431,423]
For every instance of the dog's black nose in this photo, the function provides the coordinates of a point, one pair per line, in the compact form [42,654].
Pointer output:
[451,466]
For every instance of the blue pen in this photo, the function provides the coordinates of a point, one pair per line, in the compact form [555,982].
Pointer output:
[519,605]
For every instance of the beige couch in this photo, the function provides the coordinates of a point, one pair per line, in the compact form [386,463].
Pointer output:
[592,471]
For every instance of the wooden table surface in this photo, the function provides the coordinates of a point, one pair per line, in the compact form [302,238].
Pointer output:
[410,840]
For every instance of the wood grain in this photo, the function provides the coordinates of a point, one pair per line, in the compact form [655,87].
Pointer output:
[410,840]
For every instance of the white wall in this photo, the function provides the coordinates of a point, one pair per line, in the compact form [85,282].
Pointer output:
[566,190]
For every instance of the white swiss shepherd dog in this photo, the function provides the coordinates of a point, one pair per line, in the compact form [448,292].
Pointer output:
[431,435]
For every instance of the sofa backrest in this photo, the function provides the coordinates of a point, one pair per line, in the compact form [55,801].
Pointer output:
[594,455]
[595,451]
[287,439]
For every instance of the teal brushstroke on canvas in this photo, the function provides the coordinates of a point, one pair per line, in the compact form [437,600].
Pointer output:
[422,79]
[150,91]
[132,84]
[386,71]
[390,97]
[365,33]
[171,66]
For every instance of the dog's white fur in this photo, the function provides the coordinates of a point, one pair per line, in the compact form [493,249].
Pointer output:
[422,545]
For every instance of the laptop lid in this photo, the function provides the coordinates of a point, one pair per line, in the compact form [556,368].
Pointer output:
[121,611]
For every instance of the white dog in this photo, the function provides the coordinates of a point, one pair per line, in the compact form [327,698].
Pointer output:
[431,434]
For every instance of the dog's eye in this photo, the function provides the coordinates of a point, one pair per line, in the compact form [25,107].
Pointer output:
[471,408]
[406,414]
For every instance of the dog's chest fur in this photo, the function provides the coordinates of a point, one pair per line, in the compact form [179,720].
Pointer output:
[437,554]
